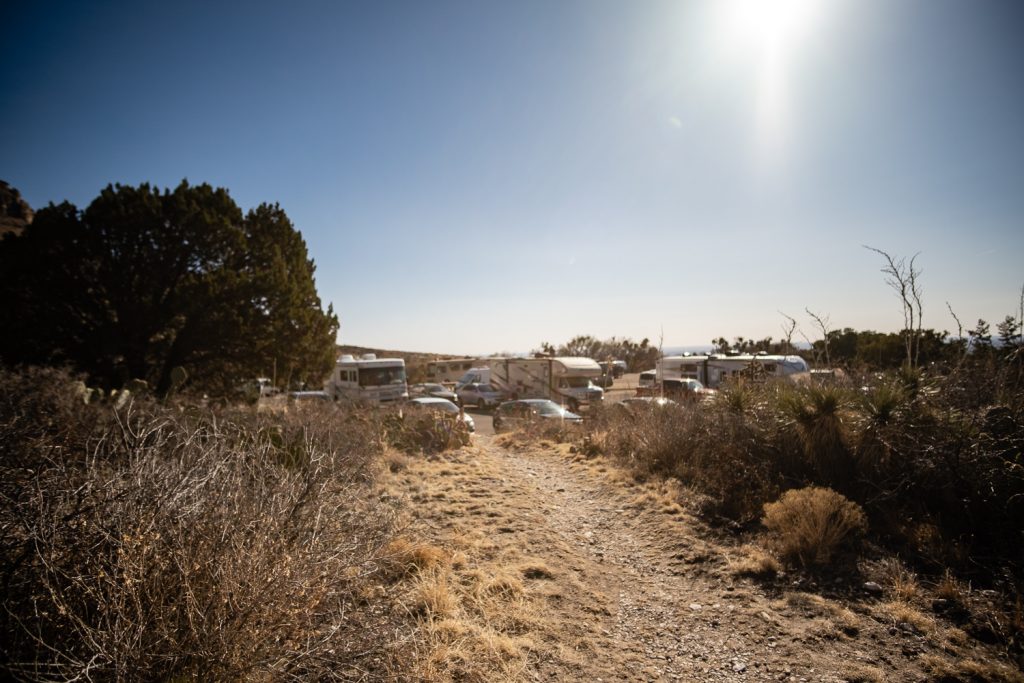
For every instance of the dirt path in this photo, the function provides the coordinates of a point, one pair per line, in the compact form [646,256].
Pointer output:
[609,580]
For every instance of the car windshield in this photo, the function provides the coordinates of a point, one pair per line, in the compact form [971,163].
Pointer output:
[376,377]
[485,388]
[578,382]
[433,387]
[447,406]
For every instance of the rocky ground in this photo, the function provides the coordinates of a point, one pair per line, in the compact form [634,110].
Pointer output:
[551,566]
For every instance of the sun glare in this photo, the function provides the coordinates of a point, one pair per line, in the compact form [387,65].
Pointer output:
[768,34]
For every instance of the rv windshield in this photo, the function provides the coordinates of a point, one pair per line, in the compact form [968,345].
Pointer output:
[376,377]
[578,382]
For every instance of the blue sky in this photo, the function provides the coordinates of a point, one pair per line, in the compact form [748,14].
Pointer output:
[473,177]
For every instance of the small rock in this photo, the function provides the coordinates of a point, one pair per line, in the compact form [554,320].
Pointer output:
[872,587]
[739,667]
[696,606]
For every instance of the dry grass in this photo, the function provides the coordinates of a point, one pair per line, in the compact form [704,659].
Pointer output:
[902,583]
[154,542]
[833,619]
[810,526]
[943,670]
[906,617]
[755,562]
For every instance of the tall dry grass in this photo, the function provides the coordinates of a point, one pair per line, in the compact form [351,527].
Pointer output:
[176,542]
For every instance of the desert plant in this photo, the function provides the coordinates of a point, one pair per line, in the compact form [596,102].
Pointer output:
[810,526]
[883,401]
[817,414]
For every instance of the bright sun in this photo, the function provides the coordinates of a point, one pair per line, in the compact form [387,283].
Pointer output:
[768,34]
[768,24]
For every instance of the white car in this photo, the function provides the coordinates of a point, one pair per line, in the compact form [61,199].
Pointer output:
[445,406]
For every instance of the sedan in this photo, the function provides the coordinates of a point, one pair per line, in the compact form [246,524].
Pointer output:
[512,414]
[481,395]
[435,390]
[443,405]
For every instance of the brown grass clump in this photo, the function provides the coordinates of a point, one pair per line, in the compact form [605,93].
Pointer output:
[756,563]
[402,557]
[942,670]
[811,525]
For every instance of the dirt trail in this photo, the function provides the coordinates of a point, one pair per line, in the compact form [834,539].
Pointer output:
[619,583]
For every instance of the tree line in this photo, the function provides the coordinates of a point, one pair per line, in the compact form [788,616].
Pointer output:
[154,285]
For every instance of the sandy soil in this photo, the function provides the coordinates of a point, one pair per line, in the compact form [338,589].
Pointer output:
[559,568]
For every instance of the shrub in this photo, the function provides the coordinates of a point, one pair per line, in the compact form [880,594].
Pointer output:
[811,525]
[156,542]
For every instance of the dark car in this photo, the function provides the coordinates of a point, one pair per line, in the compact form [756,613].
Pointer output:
[512,414]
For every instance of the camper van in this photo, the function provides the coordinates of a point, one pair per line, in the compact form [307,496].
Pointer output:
[567,380]
[368,379]
[713,370]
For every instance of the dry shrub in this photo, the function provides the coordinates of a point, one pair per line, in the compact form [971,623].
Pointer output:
[160,543]
[417,429]
[810,526]
[726,455]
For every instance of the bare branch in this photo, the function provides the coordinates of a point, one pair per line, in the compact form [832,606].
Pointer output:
[822,323]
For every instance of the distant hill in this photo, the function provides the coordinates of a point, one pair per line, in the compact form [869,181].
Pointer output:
[15,213]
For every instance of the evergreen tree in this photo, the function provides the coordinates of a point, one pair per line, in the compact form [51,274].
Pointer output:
[144,281]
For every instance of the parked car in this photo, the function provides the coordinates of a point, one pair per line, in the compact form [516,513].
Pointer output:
[435,390]
[619,368]
[512,414]
[646,402]
[607,377]
[309,396]
[647,379]
[480,395]
[445,406]
[685,389]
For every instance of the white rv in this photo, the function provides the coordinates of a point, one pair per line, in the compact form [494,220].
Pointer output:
[449,371]
[368,379]
[713,370]
[566,380]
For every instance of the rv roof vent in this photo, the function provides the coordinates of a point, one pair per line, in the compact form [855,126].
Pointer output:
[347,358]
[369,356]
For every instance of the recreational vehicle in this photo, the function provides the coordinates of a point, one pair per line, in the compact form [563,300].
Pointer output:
[567,380]
[713,370]
[449,371]
[368,379]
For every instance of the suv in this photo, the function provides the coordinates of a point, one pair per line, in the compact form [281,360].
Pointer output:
[480,395]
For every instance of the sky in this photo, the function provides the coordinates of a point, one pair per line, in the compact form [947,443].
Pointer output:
[477,177]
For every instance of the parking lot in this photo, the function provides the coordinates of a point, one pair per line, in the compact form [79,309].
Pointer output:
[624,387]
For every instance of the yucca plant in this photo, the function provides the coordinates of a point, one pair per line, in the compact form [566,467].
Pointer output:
[884,401]
[817,413]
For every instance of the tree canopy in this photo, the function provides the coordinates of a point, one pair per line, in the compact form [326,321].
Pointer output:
[143,281]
